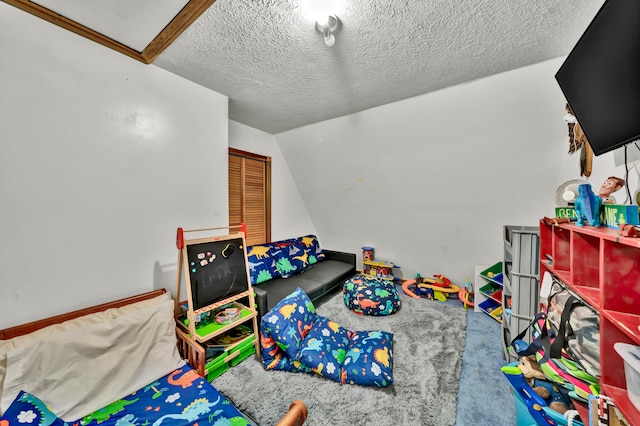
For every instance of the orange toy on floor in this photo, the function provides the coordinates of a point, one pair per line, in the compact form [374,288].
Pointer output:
[438,288]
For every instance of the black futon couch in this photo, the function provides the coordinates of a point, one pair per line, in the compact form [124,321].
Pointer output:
[317,279]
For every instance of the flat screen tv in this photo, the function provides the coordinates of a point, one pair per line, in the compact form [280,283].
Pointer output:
[600,77]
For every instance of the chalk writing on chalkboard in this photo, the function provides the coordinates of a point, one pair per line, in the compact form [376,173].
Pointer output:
[217,270]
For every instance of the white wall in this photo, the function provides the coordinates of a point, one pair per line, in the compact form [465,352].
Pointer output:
[289,216]
[430,181]
[101,159]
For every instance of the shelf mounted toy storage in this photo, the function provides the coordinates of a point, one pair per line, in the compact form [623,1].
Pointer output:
[216,278]
[603,269]
[489,296]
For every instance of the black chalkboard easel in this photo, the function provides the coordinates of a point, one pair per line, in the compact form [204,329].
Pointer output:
[216,274]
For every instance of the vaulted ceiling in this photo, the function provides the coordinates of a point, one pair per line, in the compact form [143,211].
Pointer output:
[274,66]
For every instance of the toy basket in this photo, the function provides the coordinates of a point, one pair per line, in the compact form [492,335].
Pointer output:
[531,410]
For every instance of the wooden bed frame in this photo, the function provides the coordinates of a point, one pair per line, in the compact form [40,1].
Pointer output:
[189,349]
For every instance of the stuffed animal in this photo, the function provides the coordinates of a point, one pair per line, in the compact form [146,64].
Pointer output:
[556,399]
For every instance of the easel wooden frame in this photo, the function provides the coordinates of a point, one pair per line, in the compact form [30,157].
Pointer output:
[183,268]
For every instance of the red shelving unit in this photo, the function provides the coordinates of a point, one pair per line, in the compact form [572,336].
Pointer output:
[604,269]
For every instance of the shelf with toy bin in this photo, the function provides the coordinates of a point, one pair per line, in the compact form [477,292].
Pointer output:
[228,350]
[488,298]
[214,322]
[603,268]
[492,291]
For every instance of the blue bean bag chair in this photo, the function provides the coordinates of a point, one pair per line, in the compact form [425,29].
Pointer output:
[371,296]
[294,338]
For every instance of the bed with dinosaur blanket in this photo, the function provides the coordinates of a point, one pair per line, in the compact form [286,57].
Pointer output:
[118,363]
[180,397]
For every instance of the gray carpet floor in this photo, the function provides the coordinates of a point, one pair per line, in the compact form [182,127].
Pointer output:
[483,394]
[429,340]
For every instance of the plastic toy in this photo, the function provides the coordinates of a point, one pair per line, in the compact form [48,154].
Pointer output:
[610,185]
[227,315]
[465,294]
[587,206]
[368,253]
[376,268]
[439,288]
[538,409]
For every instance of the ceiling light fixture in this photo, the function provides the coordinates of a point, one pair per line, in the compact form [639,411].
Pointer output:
[327,26]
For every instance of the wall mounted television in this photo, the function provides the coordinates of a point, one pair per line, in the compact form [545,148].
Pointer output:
[600,77]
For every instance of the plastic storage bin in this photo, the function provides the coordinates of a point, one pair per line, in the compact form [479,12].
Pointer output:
[492,308]
[229,358]
[531,410]
[631,356]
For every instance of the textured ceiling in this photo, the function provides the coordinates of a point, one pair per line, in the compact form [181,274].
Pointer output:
[268,58]
[279,75]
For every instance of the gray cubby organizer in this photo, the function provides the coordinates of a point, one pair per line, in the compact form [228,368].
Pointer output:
[521,277]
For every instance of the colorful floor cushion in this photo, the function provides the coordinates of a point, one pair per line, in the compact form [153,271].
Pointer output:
[324,348]
[290,342]
[371,296]
[289,322]
[369,361]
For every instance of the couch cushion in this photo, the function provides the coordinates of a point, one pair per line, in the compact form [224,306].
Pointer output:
[280,288]
[312,244]
[261,260]
[289,321]
[293,258]
[329,272]
[324,348]
[369,361]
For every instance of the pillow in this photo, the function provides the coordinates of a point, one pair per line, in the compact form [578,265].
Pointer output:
[82,370]
[28,409]
[324,348]
[293,259]
[289,321]
[95,318]
[369,360]
[262,263]
[313,245]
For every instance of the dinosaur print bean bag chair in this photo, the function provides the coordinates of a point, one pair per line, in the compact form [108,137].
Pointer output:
[294,338]
[371,296]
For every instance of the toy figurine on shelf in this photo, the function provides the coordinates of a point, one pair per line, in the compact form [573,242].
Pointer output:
[610,185]
[587,206]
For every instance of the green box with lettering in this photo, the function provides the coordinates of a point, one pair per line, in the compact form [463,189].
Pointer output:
[614,215]
[568,212]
